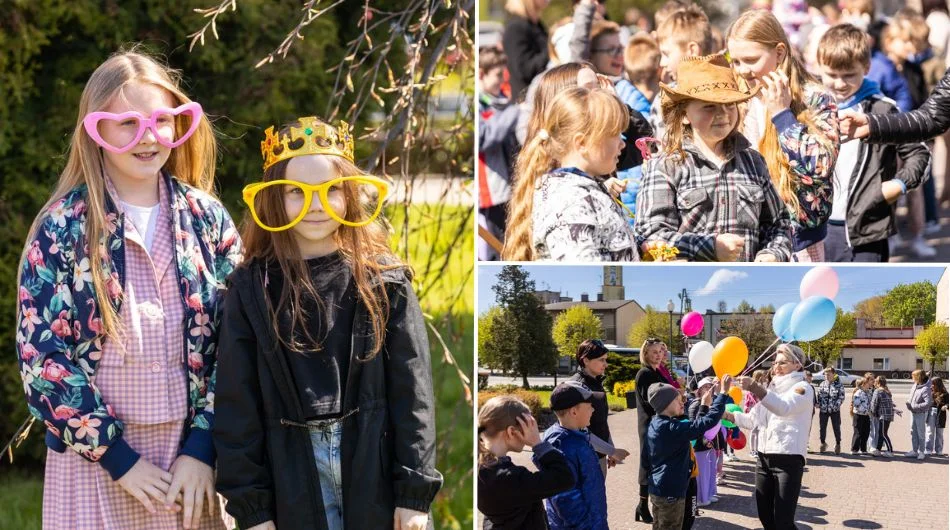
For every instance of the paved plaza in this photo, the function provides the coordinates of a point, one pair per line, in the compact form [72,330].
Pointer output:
[838,491]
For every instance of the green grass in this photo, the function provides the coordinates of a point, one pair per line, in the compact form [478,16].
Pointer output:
[440,248]
[21,499]
[615,403]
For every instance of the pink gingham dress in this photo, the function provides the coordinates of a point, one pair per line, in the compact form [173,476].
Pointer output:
[146,384]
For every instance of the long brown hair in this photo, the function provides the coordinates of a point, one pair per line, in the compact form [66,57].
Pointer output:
[762,27]
[495,416]
[881,382]
[572,112]
[192,162]
[365,249]
[552,82]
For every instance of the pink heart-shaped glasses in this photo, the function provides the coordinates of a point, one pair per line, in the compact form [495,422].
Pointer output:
[192,110]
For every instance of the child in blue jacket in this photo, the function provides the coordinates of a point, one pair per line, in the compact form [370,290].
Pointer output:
[585,505]
[666,453]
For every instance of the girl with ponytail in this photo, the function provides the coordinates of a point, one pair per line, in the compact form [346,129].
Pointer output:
[559,209]
[792,122]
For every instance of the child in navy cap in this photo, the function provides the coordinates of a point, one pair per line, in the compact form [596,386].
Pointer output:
[585,505]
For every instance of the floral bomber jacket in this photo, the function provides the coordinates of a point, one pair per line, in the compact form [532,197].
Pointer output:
[58,323]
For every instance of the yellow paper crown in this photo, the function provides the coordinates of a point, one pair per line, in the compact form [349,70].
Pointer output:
[319,138]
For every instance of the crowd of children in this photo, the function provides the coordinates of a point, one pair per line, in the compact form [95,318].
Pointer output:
[722,147]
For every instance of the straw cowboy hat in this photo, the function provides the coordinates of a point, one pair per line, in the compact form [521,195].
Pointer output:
[707,78]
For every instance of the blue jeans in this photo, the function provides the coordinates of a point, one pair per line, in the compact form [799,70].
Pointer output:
[872,439]
[325,440]
[917,429]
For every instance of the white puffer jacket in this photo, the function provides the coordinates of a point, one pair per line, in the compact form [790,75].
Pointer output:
[783,416]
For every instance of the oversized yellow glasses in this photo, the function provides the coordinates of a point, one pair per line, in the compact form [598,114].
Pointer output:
[302,195]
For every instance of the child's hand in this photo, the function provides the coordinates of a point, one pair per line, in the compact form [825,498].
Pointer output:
[269,525]
[529,430]
[707,398]
[726,383]
[891,191]
[146,480]
[406,519]
[765,257]
[777,95]
[615,186]
[620,454]
[852,125]
[744,382]
[194,481]
[729,247]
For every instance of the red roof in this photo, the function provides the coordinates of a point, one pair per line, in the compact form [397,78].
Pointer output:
[881,343]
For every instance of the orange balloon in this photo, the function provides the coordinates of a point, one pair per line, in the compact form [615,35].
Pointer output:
[730,356]
[736,394]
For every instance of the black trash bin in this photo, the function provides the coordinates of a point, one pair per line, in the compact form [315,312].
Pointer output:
[631,399]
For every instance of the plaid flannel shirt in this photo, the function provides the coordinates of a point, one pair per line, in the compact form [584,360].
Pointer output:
[687,202]
[882,405]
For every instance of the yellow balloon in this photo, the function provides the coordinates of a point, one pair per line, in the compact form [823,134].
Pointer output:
[736,394]
[730,356]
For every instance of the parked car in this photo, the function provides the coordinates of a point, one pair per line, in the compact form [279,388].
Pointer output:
[846,378]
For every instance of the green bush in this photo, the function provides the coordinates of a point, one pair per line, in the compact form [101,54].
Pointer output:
[530,398]
[620,368]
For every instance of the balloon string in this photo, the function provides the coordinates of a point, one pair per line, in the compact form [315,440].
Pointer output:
[761,358]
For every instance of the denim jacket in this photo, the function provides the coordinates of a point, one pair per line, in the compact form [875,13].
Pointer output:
[58,321]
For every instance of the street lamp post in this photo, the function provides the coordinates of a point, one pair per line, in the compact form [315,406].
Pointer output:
[669,308]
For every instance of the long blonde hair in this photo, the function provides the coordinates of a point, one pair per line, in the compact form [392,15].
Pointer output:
[762,27]
[365,249]
[596,114]
[192,162]
[495,416]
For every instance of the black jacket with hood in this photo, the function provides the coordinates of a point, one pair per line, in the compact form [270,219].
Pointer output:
[870,218]
[266,468]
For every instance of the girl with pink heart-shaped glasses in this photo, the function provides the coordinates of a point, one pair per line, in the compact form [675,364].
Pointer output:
[118,457]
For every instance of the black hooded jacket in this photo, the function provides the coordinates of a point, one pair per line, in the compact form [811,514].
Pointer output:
[266,468]
[930,120]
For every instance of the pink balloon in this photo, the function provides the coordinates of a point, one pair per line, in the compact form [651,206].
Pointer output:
[819,281]
[712,432]
[692,323]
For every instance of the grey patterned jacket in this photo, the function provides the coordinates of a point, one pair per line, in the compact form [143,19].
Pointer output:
[574,218]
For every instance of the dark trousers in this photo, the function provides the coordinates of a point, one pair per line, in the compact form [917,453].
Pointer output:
[835,425]
[690,513]
[862,430]
[882,437]
[778,482]
[837,249]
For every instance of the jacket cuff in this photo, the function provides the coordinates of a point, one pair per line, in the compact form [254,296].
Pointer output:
[118,459]
[199,445]
[255,519]
[542,449]
[783,120]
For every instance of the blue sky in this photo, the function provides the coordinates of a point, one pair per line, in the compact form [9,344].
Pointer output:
[758,284]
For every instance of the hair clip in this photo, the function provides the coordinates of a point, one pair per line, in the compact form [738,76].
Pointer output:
[543,135]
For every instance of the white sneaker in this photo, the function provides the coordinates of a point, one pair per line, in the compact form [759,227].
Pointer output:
[714,498]
[887,454]
[920,455]
[932,227]
[911,454]
[875,452]
[854,453]
[922,249]
[702,504]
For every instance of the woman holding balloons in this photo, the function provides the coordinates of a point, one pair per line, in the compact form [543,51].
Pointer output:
[783,416]
[652,371]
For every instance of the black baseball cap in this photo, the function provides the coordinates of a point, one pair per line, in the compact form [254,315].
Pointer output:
[570,393]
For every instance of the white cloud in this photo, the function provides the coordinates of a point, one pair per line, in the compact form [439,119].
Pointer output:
[720,279]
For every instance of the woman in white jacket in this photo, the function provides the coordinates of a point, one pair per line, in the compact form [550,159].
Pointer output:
[783,416]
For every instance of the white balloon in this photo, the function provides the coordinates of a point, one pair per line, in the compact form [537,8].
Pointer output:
[700,356]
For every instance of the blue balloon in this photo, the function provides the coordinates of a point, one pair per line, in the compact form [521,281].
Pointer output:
[782,322]
[813,318]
